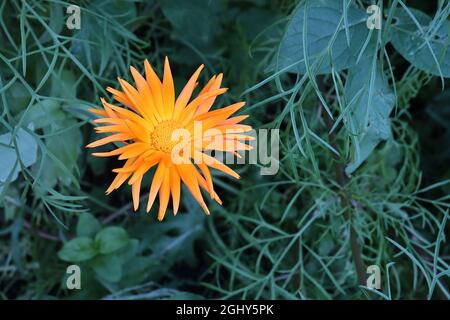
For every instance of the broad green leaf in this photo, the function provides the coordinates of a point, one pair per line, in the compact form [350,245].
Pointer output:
[44,114]
[108,267]
[60,129]
[26,148]
[411,42]
[67,153]
[17,98]
[368,118]
[64,84]
[78,249]
[87,225]
[111,239]
[324,20]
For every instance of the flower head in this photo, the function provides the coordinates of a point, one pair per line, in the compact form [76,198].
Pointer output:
[173,134]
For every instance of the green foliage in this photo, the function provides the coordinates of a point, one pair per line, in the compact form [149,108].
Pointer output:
[423,41]
[79,249]
[17,152]
[364,132]
[332,37]
[108,252]
[368,109]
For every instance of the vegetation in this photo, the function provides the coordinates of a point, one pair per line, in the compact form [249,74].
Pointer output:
[363,176]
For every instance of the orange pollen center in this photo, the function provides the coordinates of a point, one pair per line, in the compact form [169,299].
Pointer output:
[161,136]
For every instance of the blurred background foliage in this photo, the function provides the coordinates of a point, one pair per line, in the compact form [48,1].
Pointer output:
[364,152]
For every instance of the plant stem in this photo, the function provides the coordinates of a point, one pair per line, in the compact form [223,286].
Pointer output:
[342,180]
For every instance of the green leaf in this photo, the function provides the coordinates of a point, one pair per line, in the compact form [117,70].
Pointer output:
[129,251]
[26,148]
[17,98]
[64,84]
[324,17]
[137,269]
[44,113]
[368,117]
[67,153]
[411,41]
[195,21]
[111,239]
[78,249]
[87,225]
[173,241]
[104,26]
[108,267]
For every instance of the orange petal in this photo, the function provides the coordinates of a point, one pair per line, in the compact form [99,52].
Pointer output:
[134,150]
[168,90]
[144,90]
[207,174]
[140,133]
[188,175]
[135,190]
[156,184]
[112,138]
[98,111]
[205,106]
[121,97]
[186,93]
[164,195]
[216,164]
[155,87]
[188,112]
[175,189]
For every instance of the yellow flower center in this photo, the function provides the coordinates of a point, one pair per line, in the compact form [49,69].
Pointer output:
[161,136]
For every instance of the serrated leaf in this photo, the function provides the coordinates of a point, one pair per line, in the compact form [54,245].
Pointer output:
[111,239]
[77,250]
[411,42]
[87,225]
[322,23]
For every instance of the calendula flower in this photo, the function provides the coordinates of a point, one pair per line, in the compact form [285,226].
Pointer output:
[173,134]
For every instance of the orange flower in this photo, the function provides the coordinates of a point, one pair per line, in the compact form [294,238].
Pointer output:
[148,129]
